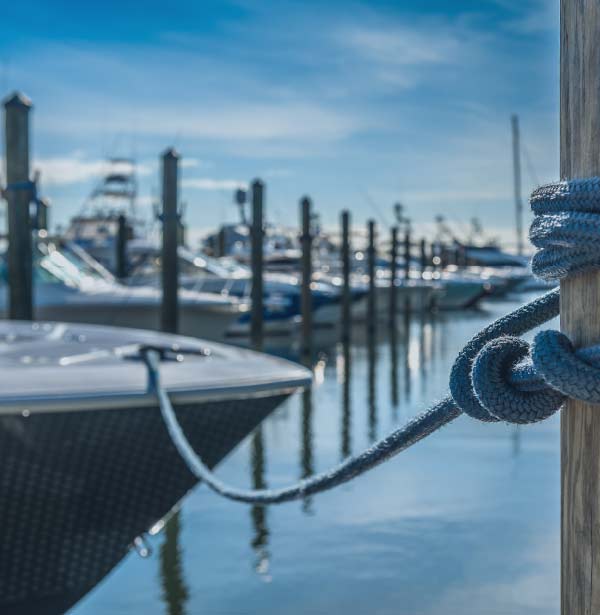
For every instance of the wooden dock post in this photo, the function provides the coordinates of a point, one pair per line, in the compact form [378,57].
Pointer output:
[18,196]
[407,252]
[393,277]
[41,214]
[580,314]
[424,257]
[257,236]
[306,298]
[121,248]
[346,297]
[169,316]
[372,302]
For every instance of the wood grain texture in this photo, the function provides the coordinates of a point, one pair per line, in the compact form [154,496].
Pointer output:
[580,314]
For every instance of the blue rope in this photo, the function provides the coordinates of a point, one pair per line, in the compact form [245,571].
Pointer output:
[497,376]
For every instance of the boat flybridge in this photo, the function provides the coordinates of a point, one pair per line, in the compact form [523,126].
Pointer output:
[69,285]
[87,465]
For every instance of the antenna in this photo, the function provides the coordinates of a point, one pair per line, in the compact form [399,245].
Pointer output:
[517,181]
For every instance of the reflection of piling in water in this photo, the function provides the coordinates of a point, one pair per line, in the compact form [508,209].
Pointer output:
[423,361]
[260,538]
[516,440]
[406,348]
[394,369]
[306,459]
[346,447]
[175,593]
[372,397]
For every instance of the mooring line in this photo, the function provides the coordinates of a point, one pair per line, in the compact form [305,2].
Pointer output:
[496,377]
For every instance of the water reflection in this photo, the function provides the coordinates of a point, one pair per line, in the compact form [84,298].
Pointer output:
[371,387]
[306,456]
[258,514]
[406,347]
[394,369]
[175,593]
[346,440]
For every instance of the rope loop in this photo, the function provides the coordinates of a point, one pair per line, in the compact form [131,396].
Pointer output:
[566,228]
[565,370]
[502,399]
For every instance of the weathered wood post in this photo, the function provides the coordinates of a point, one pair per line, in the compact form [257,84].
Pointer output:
[346,297]
[407,252]
[221,242]
[306,298]
[41,214]
[580,313]
[424,257]
[256,237]
[18,196]
[372,302]
[121,248]
[169,316]
[393,277]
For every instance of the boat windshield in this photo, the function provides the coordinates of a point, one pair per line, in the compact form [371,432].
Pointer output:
[55,264]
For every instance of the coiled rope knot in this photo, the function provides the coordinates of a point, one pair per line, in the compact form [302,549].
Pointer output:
[566,228]
[517,382]
[498,376]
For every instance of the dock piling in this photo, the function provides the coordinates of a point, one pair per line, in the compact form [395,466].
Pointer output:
[169,321]
[372,302]
[407,252]
[18,194]
[306,298]
[121,248]
[580,313]
[393,277]
[257,237]
[346,297]
[424,257]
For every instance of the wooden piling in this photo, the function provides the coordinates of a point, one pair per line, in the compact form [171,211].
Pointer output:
[306,299]
[424,257]
[393,278]
[580,314]
[18,196]
[41,214]
[121,248]
[257,236]
[169,317]
[346,296]
[372,301]
[407,253]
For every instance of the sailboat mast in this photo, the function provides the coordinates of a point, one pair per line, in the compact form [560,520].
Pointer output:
[517,181]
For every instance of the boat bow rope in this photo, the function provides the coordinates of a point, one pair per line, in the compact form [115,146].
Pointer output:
[496,377]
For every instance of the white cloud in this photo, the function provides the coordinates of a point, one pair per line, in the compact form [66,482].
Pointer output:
[207,183]
[243,121]
[73,169]
[400,46]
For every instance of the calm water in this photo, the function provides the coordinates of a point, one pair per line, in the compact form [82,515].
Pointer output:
[465,522]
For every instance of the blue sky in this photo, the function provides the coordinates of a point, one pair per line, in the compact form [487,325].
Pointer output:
[357,104]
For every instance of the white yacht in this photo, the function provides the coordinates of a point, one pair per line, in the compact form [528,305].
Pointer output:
[69,286]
